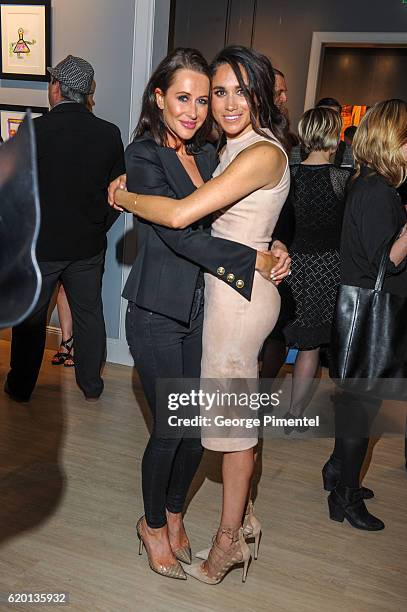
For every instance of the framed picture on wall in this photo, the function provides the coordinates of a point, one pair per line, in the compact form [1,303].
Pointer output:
[12,116]
[25,31]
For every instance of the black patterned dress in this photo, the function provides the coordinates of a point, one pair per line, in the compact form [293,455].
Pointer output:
[317,196]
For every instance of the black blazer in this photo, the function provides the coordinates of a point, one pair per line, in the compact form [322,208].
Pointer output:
[78,155]
[163,277]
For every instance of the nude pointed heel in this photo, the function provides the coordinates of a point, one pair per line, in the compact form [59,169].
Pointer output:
[170,571]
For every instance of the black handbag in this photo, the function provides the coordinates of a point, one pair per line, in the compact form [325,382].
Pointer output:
[369,339]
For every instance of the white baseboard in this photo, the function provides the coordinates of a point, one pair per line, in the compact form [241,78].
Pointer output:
[118,352]
[54,337]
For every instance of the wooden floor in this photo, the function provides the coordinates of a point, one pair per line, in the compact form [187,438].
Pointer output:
[70,498]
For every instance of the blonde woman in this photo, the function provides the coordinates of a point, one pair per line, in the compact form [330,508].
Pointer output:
[317,198]
[373,216]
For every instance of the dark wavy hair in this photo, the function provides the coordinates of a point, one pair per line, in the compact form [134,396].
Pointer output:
[259,92]
[151,117]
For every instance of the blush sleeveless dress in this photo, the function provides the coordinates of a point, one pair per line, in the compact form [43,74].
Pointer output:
[234,329]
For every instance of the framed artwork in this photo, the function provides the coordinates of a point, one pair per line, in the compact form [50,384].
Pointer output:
[12,116]
[351,115]
[25,32]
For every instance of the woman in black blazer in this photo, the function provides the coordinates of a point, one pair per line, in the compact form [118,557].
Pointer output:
[165,289]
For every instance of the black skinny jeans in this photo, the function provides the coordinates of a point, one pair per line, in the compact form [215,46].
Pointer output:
[165,348]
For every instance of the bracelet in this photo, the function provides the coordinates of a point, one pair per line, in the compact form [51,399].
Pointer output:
[131,206]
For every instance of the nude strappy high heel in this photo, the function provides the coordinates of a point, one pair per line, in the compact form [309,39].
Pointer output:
[219,561]
[252,527]
[251,530]
[170,571]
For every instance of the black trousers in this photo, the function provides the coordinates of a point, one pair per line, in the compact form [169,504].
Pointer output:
[82,282]
[164,348]
[354,416]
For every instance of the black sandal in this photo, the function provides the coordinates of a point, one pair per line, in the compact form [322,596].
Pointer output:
[60,358]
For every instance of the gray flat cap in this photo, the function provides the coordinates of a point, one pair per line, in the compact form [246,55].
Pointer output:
[74,72]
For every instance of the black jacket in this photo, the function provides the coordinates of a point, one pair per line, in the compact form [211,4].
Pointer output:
[373,216]
[164,275]
[78,155]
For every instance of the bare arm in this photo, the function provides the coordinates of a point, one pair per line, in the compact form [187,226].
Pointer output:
[257,167]
[272,265]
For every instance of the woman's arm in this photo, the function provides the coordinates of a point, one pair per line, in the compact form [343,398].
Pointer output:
[146,174]
[272,265]
[257,167]
[399,249]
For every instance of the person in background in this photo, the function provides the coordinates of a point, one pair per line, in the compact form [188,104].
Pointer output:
[280,100]
[343,156]
[403,198]
[64,356]
[75,217]
[90,100]
[274,351]
[347,159]
[317,195]
[348,135]
[373,216]
[280,90]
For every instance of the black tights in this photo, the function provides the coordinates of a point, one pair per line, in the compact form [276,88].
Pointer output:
[351,453]
[353,415]
[164,348]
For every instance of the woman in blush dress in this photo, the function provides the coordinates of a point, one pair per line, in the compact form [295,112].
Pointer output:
[249,188]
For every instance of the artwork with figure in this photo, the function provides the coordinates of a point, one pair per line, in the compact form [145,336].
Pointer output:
[13,123]
[11,117]
[25,40]
[21,46]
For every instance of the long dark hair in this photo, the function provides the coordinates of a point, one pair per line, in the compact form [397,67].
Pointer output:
[259,92]
[151,117]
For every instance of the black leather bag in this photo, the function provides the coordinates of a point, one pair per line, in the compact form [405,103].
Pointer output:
[369,339]
[20,277]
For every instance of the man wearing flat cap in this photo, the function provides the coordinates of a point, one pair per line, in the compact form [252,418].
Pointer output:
[78,156]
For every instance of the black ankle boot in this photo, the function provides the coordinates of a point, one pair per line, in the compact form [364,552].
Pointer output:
[331,473]
[348,503]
